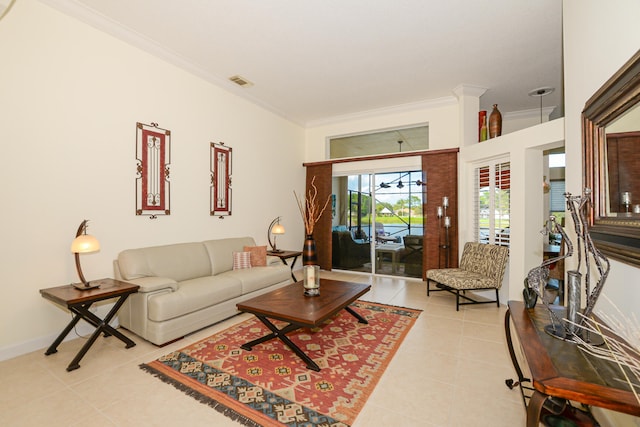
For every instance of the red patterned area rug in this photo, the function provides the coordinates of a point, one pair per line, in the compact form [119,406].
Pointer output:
[271,386]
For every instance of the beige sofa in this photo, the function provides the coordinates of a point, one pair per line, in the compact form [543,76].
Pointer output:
[188,286]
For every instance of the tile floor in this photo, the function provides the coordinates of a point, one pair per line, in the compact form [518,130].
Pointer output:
[449,371]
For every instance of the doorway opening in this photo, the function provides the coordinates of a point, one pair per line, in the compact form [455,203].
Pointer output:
[378,223]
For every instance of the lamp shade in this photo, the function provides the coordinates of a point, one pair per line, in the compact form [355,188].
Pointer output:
[85,243]
[277,229]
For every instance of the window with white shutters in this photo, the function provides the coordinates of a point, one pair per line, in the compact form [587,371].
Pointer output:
[492,203]
[557,202]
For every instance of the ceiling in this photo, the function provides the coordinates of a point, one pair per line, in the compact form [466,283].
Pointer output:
[314,60]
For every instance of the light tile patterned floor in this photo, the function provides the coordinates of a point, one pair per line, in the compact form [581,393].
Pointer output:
[449,371]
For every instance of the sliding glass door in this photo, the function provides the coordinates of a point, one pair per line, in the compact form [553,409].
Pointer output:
[378,223]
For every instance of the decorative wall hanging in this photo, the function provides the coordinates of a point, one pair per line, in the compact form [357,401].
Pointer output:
[153,154]
[220,180]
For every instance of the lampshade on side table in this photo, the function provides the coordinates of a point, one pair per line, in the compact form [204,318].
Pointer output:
[274,229]
[82,244]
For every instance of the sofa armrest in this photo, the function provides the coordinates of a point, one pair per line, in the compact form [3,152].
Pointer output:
[154,283]
[273,260]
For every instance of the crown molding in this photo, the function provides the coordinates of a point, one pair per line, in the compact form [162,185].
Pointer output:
[396,109]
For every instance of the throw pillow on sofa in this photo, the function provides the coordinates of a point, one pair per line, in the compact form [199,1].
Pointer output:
[241,260]
[258,255]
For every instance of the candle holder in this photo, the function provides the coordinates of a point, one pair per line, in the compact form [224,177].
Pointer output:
[311,282]
[625,199]
[444,224]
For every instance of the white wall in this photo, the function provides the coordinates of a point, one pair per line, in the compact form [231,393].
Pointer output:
[599,38]
[524,150]
[70,97]
[441,115]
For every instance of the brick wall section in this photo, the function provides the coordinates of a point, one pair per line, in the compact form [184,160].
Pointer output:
[441,173]
[322,231]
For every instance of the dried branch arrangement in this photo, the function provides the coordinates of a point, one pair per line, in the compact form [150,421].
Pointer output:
[310,207]
[622,344]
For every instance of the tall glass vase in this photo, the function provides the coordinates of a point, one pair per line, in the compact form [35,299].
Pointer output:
[309,254]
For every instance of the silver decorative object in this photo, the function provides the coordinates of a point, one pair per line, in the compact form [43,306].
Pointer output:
[570,328]
[573,299]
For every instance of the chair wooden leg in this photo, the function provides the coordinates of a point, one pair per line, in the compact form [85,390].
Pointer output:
[428,286]
[497,298]
[457,299]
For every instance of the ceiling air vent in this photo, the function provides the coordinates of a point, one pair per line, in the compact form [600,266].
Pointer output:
[240,81]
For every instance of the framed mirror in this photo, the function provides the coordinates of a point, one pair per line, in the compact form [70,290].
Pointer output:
[611,156]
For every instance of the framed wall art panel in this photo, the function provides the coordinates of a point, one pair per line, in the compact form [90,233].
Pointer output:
[153,157]
[220,179]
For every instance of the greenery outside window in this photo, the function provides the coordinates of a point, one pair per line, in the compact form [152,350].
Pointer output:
[493,203]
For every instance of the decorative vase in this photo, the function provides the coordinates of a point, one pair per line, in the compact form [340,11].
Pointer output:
[482,125]
[309,254]
[311,280]
[495,122]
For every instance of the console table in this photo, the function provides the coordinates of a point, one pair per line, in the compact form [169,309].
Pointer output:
[79,302]
[560,369]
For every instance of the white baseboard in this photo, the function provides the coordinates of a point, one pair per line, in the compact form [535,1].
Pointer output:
[42,343]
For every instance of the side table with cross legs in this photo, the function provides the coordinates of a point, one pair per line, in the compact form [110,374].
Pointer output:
[284,255]
[79,303]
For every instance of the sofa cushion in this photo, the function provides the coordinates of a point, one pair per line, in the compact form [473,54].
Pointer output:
[221,252]
[458,278]
[182,261]
[256,278]
[241,260]
[258,255]
[193,295]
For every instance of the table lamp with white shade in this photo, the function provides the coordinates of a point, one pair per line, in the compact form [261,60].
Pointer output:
[275,228]
[82,244]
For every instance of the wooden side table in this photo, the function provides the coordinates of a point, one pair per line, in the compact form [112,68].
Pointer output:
[559,369]
[284,255]
[79,302]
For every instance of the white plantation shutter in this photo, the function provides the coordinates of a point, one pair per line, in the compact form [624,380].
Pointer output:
[492,203]
[557,196]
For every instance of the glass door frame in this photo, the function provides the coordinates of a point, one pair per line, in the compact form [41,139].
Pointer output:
[406,165]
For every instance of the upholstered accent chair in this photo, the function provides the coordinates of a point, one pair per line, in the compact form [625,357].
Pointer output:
[482,267]
[347,253]
[411,256]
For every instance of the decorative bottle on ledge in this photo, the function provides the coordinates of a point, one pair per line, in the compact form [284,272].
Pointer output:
[482,125]
[495,122]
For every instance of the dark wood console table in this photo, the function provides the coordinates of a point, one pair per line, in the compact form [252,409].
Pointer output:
[560,369]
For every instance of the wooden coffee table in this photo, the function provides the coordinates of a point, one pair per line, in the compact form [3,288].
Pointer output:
[290,305]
